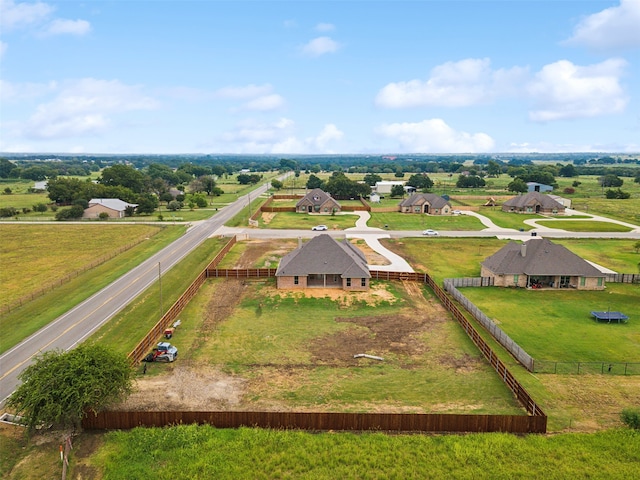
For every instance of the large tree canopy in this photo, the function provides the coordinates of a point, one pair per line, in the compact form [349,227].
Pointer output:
[59,387]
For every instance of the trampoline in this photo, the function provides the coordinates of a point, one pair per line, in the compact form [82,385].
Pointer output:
[610,317]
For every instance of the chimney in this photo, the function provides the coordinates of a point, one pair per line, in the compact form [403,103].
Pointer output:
[523,250]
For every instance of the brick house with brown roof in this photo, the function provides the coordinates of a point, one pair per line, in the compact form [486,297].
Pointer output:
[323,262]
[533,202]
[425,203]
[539,263]
[317,201]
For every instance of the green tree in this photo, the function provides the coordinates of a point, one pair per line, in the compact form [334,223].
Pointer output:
[314,182]
[8,169]
[276,184]
[493,168]
[40,207]
[518,185]
[371,179]
[568,170]
[60,387]
[420,181]
[636,246]
[397,191]
[124,176]
[610,180]
[147,203]
[71,213]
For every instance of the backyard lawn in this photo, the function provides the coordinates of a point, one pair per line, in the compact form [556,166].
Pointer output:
[557,325]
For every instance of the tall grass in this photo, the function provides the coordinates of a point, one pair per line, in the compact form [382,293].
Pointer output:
[200,452]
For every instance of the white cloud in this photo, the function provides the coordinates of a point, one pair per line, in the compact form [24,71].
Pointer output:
[16,92]
[612,28]
[320,46]
[248,91]
[72,27]
[435,136]
[265,104]
[17,15]
[278,137]
[454,84]
[85,107]
[325,27]
[562,90]
[3,48]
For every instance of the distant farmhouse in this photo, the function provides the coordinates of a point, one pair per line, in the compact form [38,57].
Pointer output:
[538,187]
[425,203]
[114,207]
[323,262]
[317,201]
[539,263]
[533,202]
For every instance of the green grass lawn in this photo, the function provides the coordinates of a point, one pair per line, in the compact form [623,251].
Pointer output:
[557,325]
[407,221]
[273,340]
[584,226]
[292,220]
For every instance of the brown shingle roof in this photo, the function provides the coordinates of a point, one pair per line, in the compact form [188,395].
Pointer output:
[318,197]
[531,199]
[421,198]
[541,257]
[324,255]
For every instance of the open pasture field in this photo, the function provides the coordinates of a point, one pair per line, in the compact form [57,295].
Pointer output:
[34,256]
[64,259]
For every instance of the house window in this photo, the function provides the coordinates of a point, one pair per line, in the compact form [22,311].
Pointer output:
[348,282]
[363,282]
[583,281]
[296,280]
[515,279]
[600,281]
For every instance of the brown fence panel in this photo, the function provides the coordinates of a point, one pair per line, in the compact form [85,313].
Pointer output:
[277,209]
[241,272]
[322,421]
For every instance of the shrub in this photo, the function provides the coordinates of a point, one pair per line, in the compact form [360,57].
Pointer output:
[569,190]
[103,216]
[8,212]
[576,183]
[631,418]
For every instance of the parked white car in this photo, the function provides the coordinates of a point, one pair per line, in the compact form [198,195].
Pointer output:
[320,227]
[430,232]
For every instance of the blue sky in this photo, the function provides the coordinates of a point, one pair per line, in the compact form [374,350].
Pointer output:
[318,77]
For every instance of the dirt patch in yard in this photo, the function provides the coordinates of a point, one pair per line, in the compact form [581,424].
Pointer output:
[384,335]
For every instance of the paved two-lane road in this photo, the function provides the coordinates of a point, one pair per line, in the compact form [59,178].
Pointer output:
[76,325]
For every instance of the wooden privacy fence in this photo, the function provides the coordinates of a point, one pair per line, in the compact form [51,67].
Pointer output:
[150,339]
[321,421]
[240,272]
